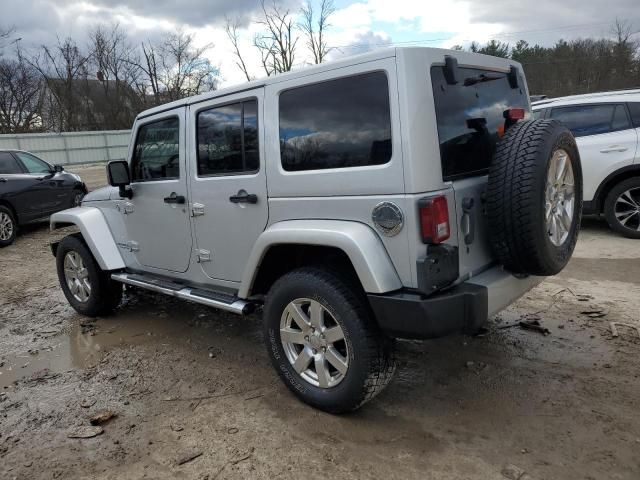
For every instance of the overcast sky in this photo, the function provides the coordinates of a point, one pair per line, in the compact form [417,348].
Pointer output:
[356,25]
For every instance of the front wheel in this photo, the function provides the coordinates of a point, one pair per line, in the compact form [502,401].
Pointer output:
[89,290]
[8,227]
[323,341]
[622,208]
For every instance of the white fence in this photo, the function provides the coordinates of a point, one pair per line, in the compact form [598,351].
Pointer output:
[71,147]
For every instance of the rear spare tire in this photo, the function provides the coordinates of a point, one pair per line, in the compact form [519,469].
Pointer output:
[534,197]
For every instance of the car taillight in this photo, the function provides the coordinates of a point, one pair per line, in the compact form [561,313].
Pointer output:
[514,114]
[434,219]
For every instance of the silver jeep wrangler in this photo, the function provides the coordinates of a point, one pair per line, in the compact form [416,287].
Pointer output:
[404,193]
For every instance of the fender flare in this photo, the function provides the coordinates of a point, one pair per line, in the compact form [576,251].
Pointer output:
[358,241]
[95,232]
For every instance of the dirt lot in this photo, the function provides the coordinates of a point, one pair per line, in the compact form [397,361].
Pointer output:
[186,381]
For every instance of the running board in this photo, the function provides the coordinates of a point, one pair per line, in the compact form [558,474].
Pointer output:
[204,297]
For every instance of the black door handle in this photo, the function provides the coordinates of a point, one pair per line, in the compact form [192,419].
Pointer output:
[2,180]
[174,198]
[243,197]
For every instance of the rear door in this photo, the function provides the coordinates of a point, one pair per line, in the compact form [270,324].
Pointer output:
[228,181]
[605,136]
[470,118]
[157,217]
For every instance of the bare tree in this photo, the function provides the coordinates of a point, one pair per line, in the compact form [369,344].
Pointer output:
[116,69]
[314,28]
[231,27]
[63,68]
[21,96]
[277,44]
[176,68]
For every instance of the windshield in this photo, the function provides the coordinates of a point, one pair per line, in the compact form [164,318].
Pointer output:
[470,117]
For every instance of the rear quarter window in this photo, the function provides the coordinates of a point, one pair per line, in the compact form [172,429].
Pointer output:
[339,123]
[634,109]
[470,118]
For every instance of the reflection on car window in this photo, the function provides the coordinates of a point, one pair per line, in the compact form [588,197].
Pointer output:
[634,108]
[33,164]
[470,119]
[336,124]
[8,164]
[585,120]
[228,139]
[156,153]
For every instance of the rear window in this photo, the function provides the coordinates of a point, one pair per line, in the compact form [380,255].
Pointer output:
[8,164]
[585,120]
[470,118]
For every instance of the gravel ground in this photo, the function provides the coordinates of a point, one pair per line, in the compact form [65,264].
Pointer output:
[195,396]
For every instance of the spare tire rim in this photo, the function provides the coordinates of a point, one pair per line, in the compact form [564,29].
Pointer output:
[559,198]
[6,226]
[77,276]
[314,343]
[627,209]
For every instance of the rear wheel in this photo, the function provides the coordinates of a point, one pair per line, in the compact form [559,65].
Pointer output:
[89,290]
[622,208]
[8,226]
[323,341]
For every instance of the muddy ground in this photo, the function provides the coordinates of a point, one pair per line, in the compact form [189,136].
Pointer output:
[186,381]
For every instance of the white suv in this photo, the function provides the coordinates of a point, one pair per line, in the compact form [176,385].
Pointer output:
[607,129]
[402,193]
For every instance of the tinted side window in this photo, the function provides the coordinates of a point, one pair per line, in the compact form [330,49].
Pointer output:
[634,108]
[228,139]
[156,153]
[8,164]
[585,120]
[336,124]
[538,114]
[33,164]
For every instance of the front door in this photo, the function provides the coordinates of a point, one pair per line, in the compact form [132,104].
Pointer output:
[228,182]
[157,217]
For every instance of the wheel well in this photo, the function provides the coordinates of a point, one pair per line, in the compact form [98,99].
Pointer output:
[281,259]
[4,203]
[612,181]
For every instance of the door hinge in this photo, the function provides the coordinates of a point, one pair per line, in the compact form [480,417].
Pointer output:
[203,256]
[130,245]
[197,209]
[125,208]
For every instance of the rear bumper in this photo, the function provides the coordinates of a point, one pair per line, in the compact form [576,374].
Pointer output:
[463,308]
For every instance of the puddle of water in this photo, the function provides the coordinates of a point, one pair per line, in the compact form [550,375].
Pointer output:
[150,320]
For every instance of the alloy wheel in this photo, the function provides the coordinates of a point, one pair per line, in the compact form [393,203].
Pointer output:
[6,226]
[559,198]
[627,209]
[77,276]
[314,343]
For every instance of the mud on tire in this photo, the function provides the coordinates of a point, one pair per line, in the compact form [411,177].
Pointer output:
[518,203]
[371,362]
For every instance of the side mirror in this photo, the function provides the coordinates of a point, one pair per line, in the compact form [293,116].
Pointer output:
[58,168]
[119,176]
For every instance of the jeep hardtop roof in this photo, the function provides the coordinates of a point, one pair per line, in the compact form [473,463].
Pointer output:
[479,60]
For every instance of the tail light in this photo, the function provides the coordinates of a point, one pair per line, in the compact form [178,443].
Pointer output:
[514,114]
[434,219]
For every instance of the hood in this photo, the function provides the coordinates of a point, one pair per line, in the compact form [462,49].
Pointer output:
[101,194]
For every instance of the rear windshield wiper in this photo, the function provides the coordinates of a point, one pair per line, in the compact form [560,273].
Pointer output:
[483,77]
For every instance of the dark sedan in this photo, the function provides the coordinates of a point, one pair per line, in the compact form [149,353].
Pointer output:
[32,189]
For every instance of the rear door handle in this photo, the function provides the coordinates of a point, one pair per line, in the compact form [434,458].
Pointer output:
[614,148]
[243,197]
[175,198]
